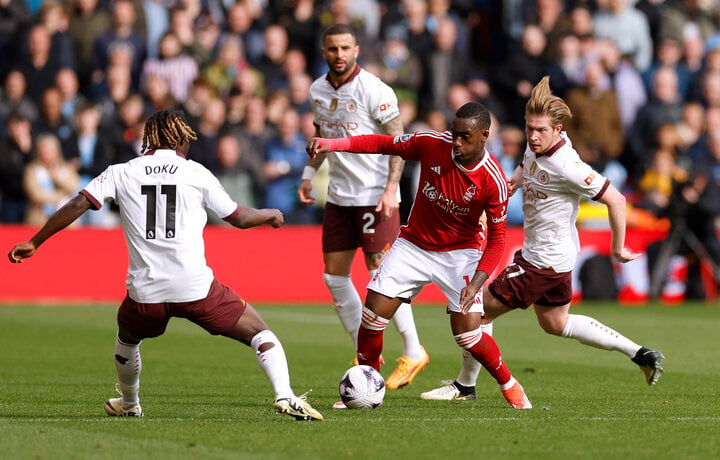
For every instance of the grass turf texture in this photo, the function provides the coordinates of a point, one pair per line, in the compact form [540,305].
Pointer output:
[205,397]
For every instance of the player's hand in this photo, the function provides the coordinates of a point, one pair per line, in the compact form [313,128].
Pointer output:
[316,146]
[21,251]
[388,205]
[512,186]
[276,218]
[304,192]
[467,297]
[626,255]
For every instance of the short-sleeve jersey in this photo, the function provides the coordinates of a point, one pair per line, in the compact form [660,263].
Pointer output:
[451,199]
[162,198]
[552,186]
[359,106]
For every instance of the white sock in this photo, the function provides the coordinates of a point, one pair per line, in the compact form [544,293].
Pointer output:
[128,365]
[471,367]
[273,362]
[405,325]
[346,302]
[592,332]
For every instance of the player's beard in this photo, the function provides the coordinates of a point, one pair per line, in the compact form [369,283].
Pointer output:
[349,66]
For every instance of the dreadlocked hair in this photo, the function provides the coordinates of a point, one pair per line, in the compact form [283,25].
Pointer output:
[166,128]
[544,103]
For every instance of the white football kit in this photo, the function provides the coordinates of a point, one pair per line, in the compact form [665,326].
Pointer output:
[162,198]
[552,186]
[358,106]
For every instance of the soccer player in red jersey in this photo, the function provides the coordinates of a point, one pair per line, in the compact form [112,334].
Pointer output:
[459,182]
[553,178]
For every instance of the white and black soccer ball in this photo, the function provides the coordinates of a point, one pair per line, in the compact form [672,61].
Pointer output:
[362,387]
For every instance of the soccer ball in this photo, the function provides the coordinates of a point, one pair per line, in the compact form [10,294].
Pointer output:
[362,387]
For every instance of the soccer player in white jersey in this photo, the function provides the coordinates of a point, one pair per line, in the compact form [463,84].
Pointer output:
[162,197]
[553,179]
[459,182]
[362,207]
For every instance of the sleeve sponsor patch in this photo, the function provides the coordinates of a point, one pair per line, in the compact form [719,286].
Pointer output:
[402,138]
[589,179]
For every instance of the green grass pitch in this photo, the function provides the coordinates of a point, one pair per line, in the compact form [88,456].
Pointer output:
[205,397]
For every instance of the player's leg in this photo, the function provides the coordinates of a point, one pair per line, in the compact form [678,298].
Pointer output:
[136,321]
[252,330]
[375,317]
[469,336]
[346,300]
[589,331]
[414,357]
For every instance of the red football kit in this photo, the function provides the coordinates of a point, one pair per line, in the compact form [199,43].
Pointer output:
[451,199]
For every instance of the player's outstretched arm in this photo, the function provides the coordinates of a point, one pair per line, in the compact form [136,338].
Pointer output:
[58,221]
[615,201]
[251,217]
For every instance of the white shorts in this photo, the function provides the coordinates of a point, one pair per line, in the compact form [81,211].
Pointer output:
[407,268]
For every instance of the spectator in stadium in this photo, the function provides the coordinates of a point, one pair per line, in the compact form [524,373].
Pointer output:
[121,35]
[182,26]
[227,64]
[210,126]
[271,62]
[156,94]
[626,81]
[172,250]
[177,69]
[87,22]
[595,127]
[49,180]
[13,98]
[51,118]
[621,22]
[284,161]
[236,174]
[399,67]
[67,82]
[553,179]
[664,106]
[126,128]
[16,17]
[362,208]
[16,152]
[38,65]
[520,71]
[441,244]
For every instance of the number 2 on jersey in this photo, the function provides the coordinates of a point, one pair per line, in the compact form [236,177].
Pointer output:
[150,191]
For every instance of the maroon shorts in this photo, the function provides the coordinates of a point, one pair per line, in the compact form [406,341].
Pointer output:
[217,313]
[522,284]
[350,227]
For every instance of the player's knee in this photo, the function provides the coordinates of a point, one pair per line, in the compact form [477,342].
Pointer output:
[264,341]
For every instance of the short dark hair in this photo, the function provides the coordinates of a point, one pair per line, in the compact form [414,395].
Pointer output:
[339,29]
[477,111]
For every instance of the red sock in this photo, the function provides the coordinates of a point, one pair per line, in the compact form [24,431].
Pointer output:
[488,354]
[369,347]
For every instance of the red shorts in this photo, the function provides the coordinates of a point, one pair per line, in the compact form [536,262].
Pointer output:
[217,313]
[350,227]
[522,284]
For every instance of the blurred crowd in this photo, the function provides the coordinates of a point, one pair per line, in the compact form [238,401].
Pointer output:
[79,77]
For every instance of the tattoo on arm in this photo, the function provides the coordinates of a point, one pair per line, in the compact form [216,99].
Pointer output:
[394,127]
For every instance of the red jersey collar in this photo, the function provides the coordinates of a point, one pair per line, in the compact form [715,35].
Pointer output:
[552,149]
[351,78]
[152,152]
